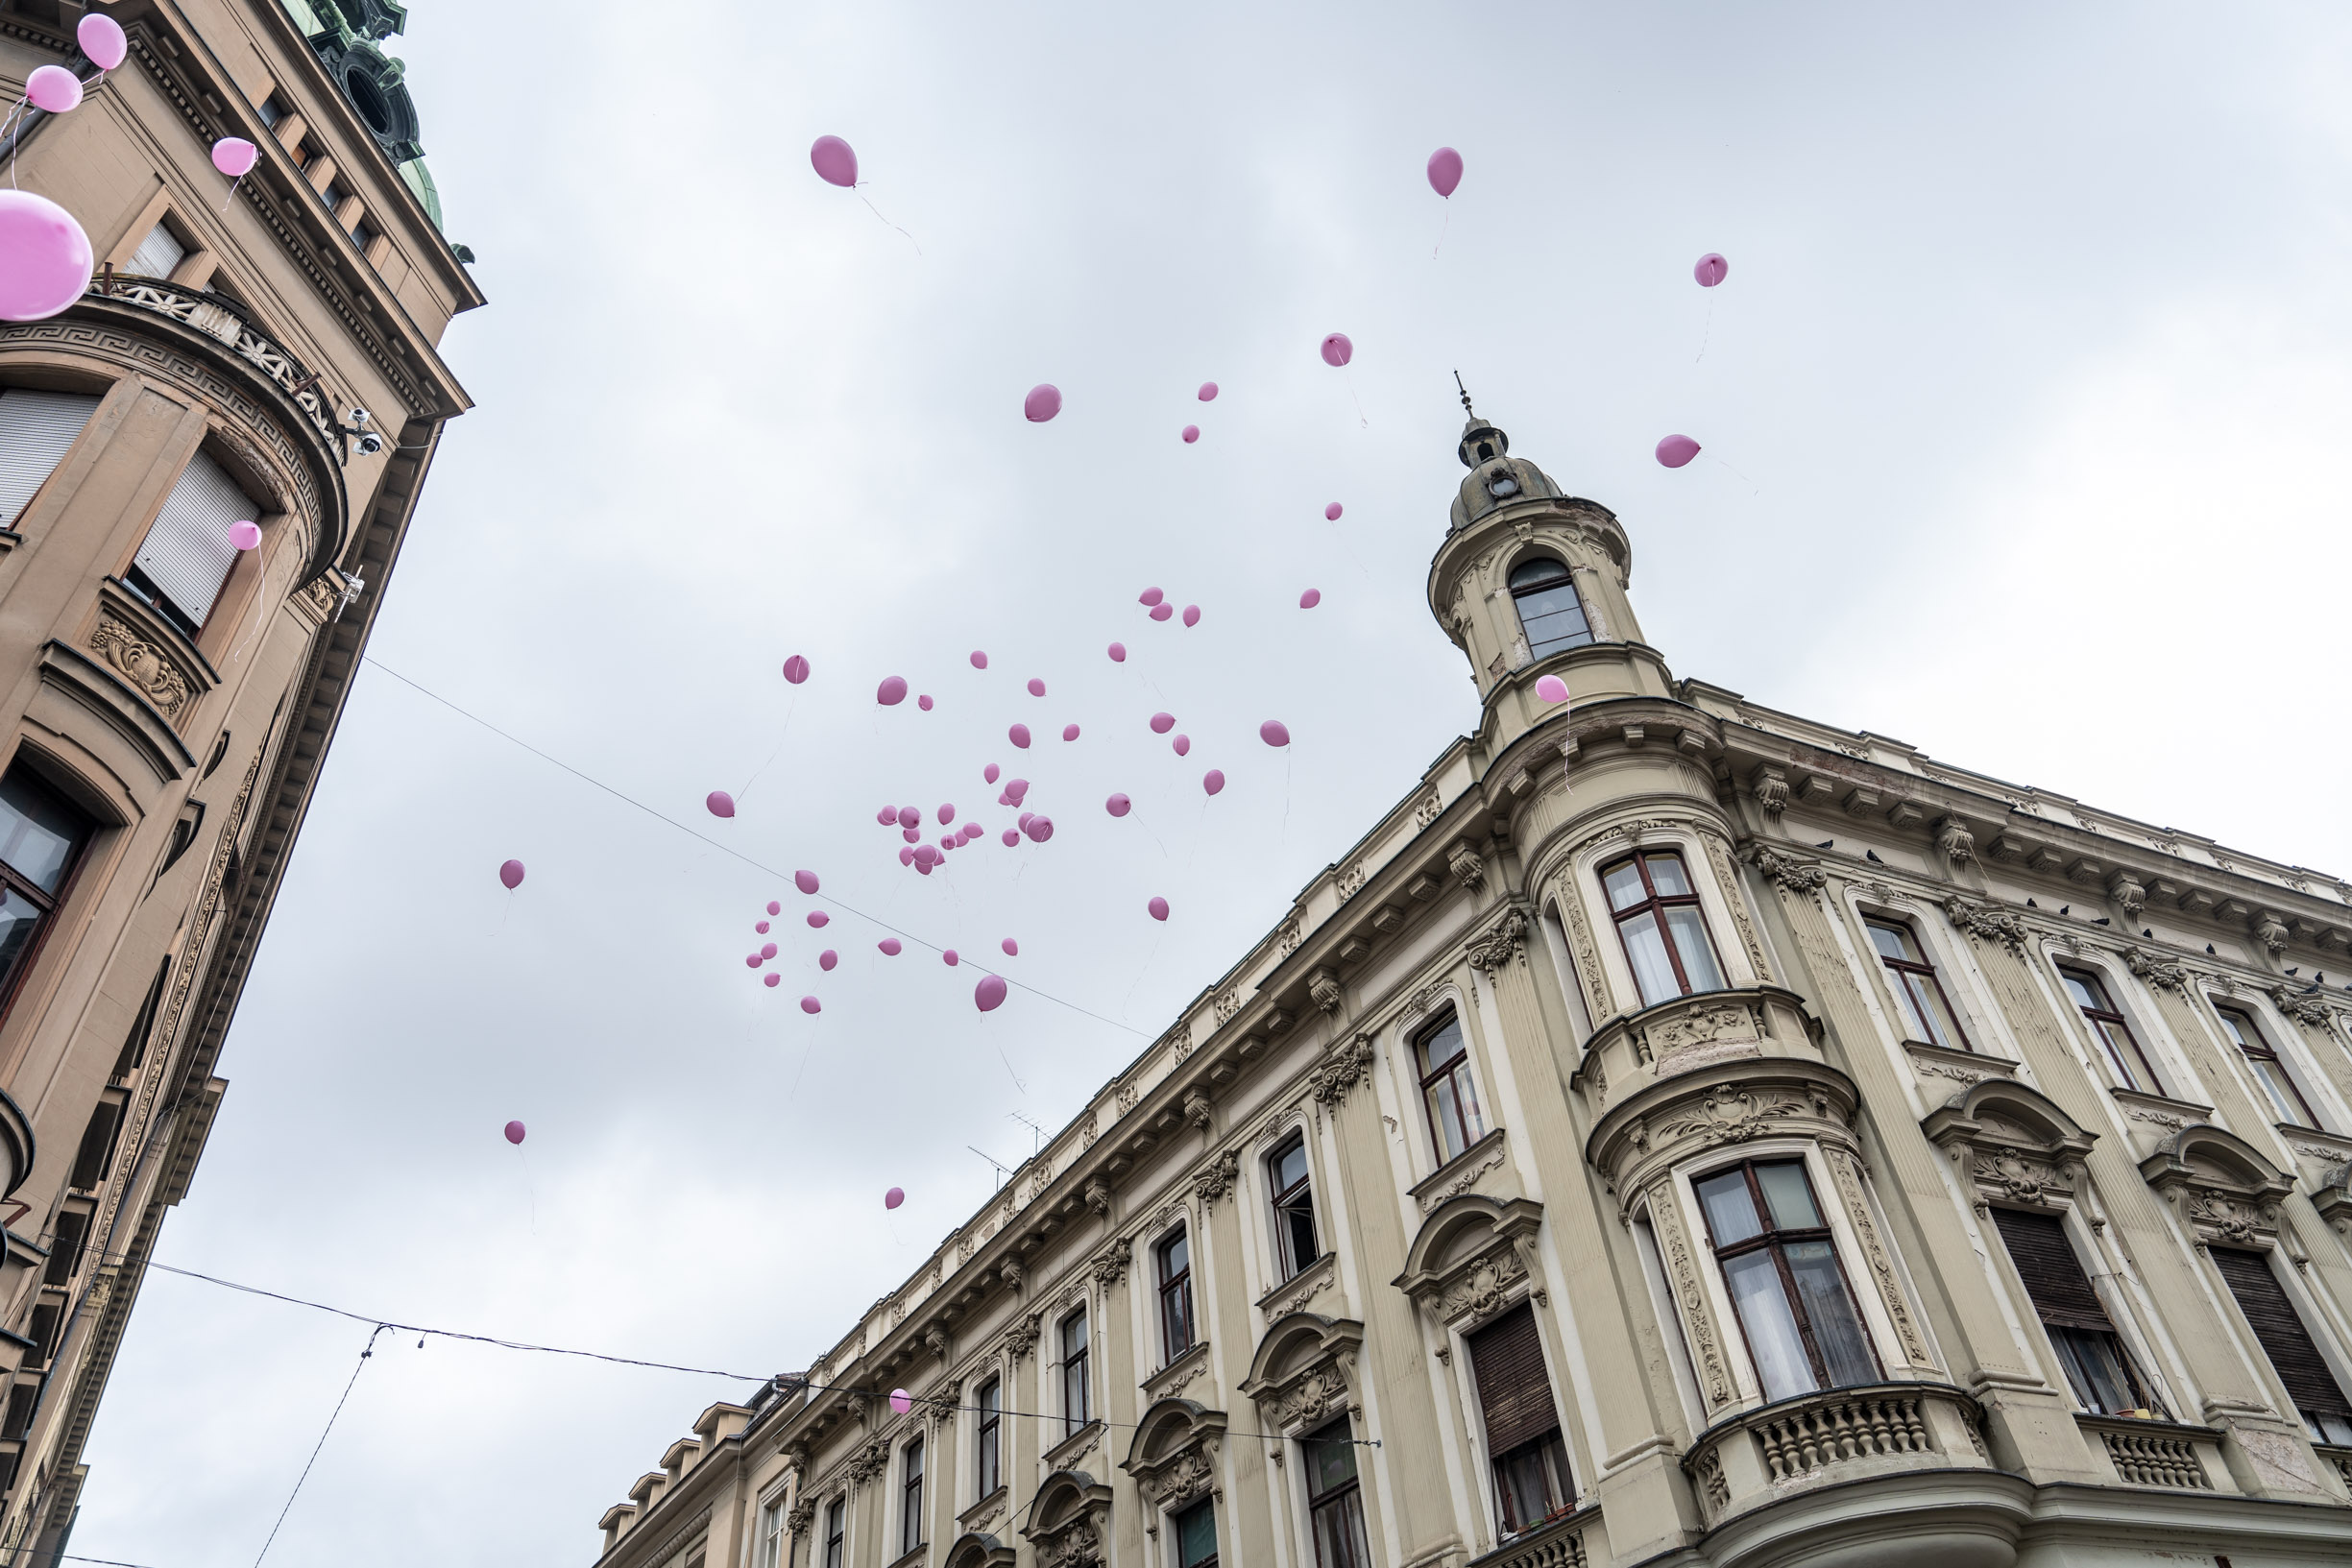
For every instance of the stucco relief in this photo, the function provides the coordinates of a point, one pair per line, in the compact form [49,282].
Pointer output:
[1736,898]
[154,674]
[1689,1295]
[1849,1179]
[2010,1143]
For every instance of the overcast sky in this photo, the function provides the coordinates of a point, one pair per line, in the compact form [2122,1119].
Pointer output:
[2024,412]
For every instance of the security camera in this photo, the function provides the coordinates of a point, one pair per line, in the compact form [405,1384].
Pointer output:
[369,443]
[360,417]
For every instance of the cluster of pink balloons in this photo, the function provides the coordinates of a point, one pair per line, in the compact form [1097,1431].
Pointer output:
[1159,607]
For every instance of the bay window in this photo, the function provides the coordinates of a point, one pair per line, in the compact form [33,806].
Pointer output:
[1658,919]
[1780,1266]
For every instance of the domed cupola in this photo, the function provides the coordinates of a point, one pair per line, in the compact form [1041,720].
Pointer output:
[1497,477]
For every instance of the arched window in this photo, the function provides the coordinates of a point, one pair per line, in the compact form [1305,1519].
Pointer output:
[1549,611]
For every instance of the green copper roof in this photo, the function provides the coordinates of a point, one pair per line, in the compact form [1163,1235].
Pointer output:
[345,35]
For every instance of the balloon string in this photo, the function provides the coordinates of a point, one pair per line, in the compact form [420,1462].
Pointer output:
[233,192]
[1707,331]
[1743,478]
[790,709]
[888,223]
[1358,401]
[1441,228]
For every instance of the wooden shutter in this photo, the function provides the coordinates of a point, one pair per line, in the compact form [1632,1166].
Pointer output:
[2061,1292]
[2280,1329]
[187,554]
[1516,1398]
[35,427]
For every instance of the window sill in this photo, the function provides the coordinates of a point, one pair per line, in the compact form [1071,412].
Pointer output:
[2327,1147]
[1178,1374]
[1967,1068]
[911,1556]
[1459,1175]
[983,1512]
[1062,1454]
[2155,1117]
[1538,1546]
[1295,1292]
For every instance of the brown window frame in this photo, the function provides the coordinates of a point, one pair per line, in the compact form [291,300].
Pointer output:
[1907,972]
[1298,1196]
[1175,1296]
[1655,905]
[1535,1440]
[2100,1017]
[2314,1392]
[1774,1239]
[1177,1522]
[13,881]
[988,1438]
[1077,1391]
[1521,593]
[2073,1319]
[1457,1072]
[1336,1513]
[910,1497]
[2255,1046]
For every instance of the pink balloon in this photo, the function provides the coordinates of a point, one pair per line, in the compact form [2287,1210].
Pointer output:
[1192,433]
[1445,171]
[1208,392]
[1338,350]
[1012,948]
[891,946]
[1026,817]
[796,670]
[752,960]
[1191,614]
[818,919]
[244,536]
[719,803]
[833,161]
[101,38]
[1043,402]
[1037,687]
[511,874]
[811,1006]
[1312,598]
[827,959]
[911,816]
[1163,611]
[234,156]
[901,1401]
[1163,723]
[46,258]
[1331,513]
[1012,837]
[1069,732]
[980,660]
[1213,781]
[1016,788]
[1039,828]
[514,1132]
[1158,909]
[53,89]
[988,774]
[806,881]
[1711,270]
[989,994]
[1181,746]
[947,813]
[892,691]
[910,835]
[1018,735]
[906,854]
[1675,451]
[1552,689]
[768,951]
[887,816]
[1117,653]
[1274,733]
[1149,597]
[926,853]
[923,702]
[895,1196]
[762,928]
[948,958]
[774,908]
[1118,806]
[771,979]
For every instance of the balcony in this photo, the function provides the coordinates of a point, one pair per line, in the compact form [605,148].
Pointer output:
[222,320]
[2157,1453]
[1557,1543]
[1840,1435]
[1693,1035]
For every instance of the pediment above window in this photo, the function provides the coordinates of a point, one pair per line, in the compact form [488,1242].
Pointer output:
[2219,1185]
[1664,1123]
[1468,1259]
[2010,1144]
[1173,1456]
[1305,1368]
[977,1549]
[1069,1521]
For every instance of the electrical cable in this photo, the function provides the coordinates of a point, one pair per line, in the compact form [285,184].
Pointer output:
[368,1350]
[717,844]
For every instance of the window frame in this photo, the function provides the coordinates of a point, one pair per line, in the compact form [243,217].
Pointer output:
[1176,1532]
[1175,1296]
[46,904]
[1773,1238]
[1656,906]
[836,1533]
[2097,1019]
[1077,1390]
[1345,1499]
[2254,1047]
[1547,1446]
[1460,1073]
[988,1436]
[1904,976]
[1520,595]
[1285,1200]
[2063,1349]
[773,1533]
[910,1495]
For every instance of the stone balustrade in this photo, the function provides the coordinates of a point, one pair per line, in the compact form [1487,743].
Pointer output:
[2156,1453]
[1838,1435]
[1557,1543]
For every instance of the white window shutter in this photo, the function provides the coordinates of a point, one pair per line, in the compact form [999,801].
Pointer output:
[158,253]
[35,427]
[187,554]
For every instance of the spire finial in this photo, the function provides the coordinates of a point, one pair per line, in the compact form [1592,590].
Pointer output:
[1466,396]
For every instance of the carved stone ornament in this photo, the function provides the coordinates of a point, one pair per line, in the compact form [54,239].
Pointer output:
[797,1518]
[2129,891]
[2153,969]
[1098,1195]
[1847,1170]
[1730,1112]
[1299,1290]
[1789,873]
[1769,784]
[1306,1370]
[1214,1179]
[1346,1064]
[1014,1273]
[1652,1127]
[2302,1006]
[1462,1174]
[1197,1109]
[1954,841]
[1022,1338]
[1110,1266]
[869,1461]
[1174,1455]
[2220,1186]
[1986,924]
[1467,868]
[148,669]
[1470,1257]
[2010,1143]
[1324,987]
[1069,1521]
[1500,943]
[2270,928]
[1706,1026]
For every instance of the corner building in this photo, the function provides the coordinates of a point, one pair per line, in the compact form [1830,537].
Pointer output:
[166,700]
[1678,1133]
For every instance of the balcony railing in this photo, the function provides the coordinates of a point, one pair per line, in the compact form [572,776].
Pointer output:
[224,321]
[1559,1543]
[2154,1452]
[1835,1435]
[2339,1458]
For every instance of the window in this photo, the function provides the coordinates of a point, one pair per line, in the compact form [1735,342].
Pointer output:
[2124,1053]
[135,1044]
[22,1400]
[2279,1328]
[36,430]
[42,1331]
[1176,1297]
[836,1521]
[911,1500]
[1786,1281]
[1075,1410]
[186,556]
[363,234]
[2078,1327]
[2269,1071]
[1551,615]
[272,110]
[991,1427]
[1658,919]
[1335,1497]
[1448,1090]
[1531,1467]
[1294,1207]
[65,1246]
[1196,1535]
[40,838]
[332,194]
[1926,1014]
[96,1155]
[158,253]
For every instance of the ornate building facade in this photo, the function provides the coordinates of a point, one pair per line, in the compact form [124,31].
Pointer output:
[263,354]
[1678,1133]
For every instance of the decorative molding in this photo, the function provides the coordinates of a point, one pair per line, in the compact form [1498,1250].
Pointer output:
[2152,969]
[1324,986]
[1986,924]
[1789,873]
[1110,1265]
[153,672]
[1179,1374]
[1022,1338]
[1843,1167]
[1427,811]
[1500,943]
[1768,785]
[2304,1007]
[1690,1294]
[2011,1142]
[1214,1179]
[1346,1064]
[1294,1294]
[1467,868]
[1461,1173]
[869,1461]
[1736,898]
[1960,1067]
[1955,842]
[2219,1185]
[1730,1112]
